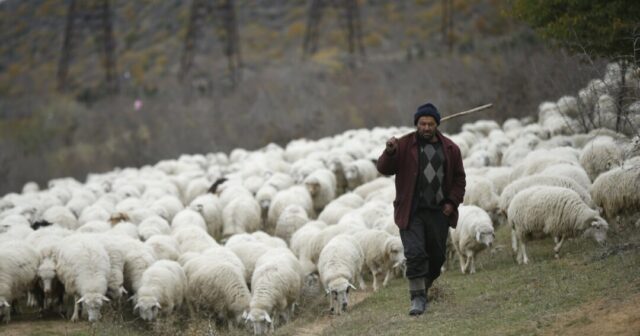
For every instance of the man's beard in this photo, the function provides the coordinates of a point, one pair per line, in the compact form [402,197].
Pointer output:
[426,136]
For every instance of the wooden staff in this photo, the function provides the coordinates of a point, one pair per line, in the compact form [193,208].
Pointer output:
[473,110]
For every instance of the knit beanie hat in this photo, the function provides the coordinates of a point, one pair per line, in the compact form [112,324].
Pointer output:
[427,109]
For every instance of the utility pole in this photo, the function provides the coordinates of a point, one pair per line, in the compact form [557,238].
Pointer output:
[447,24]
[95,16]
[223,14]
[349,17]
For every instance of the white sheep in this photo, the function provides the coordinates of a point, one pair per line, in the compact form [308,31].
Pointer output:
[162,288]
[473,234]
[600,155]
[291,219]
[242,214]
[617,193]
[339,207]
[93,212]
[193,239]
[540,180]
[272,241]
[208,205]
[302,236]
[126,229]
[152,226]
[321,185]
[195,188]
[275,285]
[164,247]
[481,192]
[340,264]
[359,172]
[168,206]
[188,217]
[383,253]
[310,252]
[13,221]
[370,187]
[294,195]
[554,211]
[18,271]
[45,241]
[94,226]
[217,286]
[574,172]
[62,216]
[248,252]
[83,267]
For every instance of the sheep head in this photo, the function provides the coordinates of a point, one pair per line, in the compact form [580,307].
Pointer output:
[597,228]
[5,309]
[260,320]
[338,291]
[148,308]
[46,274]
[394,251]
[351,172]
[92,304]
[312,185]
[485,237]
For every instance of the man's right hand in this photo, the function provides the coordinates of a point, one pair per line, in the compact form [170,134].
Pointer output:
[392,145]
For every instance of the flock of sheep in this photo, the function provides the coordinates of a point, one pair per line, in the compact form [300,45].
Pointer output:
[238,237]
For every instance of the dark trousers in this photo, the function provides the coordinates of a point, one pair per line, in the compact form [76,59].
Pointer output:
[425,243]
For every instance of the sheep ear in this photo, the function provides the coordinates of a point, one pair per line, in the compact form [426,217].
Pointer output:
[245,315]
[352,286]
[80,301]
[136,307]
[158,305]
[267,318]
[132,298]
[5,304]
[105,299]
[326,292]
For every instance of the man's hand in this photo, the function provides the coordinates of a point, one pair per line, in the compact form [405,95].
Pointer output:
[392,144]
[448,209]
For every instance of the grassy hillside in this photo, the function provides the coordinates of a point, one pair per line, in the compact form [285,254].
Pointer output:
[591,290]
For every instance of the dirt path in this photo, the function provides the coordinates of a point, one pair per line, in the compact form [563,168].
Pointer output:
[602,317]
[318,326]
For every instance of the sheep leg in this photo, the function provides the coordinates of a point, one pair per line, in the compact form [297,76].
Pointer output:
[361,282]
[467,263]
[472,262]
[525,259]
[76,307]
[6,310]
[462,261]
[387,277]
[514,241]
[556,249]
[375,280]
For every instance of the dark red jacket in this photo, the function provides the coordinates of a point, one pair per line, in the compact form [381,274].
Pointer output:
[404,164]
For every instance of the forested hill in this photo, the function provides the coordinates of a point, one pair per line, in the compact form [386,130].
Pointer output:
[150,37]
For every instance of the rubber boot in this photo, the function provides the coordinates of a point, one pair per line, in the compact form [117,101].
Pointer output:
[418,296]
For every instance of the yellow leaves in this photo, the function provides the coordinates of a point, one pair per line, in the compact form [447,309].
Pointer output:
[296,29]
[373,40]
[328,57]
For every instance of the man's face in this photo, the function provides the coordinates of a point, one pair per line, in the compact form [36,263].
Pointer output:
[427,127]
